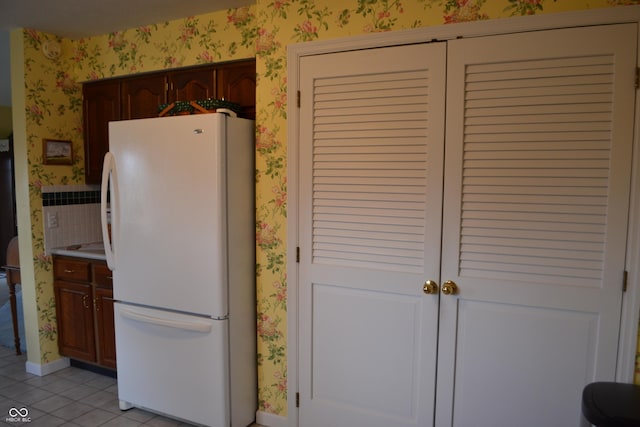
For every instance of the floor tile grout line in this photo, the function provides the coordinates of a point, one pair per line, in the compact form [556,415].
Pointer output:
[12,368]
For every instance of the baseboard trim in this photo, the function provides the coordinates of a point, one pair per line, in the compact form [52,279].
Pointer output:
[270,420]
[47,368]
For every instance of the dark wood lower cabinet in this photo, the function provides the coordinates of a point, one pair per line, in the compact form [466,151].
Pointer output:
[106,343]
[84,310]
[74,311]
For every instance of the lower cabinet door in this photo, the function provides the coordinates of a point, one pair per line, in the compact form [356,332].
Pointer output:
[106,336]
[74,310]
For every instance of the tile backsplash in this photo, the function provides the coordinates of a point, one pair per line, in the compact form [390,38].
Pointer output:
[71,215]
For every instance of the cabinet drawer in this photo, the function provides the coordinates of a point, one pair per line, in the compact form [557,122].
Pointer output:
[72,269]
[102,276]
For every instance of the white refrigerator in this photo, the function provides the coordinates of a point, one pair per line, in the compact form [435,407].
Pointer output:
[180,240]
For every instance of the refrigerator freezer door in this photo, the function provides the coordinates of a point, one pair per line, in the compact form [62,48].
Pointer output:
[168,213]
[174,364]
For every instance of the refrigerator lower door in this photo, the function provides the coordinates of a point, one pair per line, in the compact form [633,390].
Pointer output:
[174,364]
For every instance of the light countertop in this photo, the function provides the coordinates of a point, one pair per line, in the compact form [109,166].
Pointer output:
[93,250]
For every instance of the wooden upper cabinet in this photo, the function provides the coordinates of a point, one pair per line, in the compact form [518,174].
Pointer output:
[142,95]
[236,82]
[101,105]
[191,84]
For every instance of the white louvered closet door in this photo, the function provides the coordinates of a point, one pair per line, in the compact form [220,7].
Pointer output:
[371,158]
[538,158]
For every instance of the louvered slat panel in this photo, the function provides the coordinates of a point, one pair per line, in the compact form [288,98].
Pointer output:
[371,111]
[539,127]
[400,116]
[414,173]
[348,144]
[369,219]
[358,205]
[534,252]
[534,208]
[408,102]
[538,155]
[374,133]
[515,199]
[475,71]
[369,157]
[530,74]
[337,198]
[369,93]
[586,228]
[535,110]
[517,92]
[539,136]
[535,182]
[363,226]
[538,100]
[542,82]
[551,173]
[336,82]
[513,242]
[405,239]
[545,145]
[528,188]
[537,118]
[554,217]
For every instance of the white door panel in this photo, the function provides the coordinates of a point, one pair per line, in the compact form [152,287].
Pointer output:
[528,217]
[490,350]
[535,222]
[347,327]
[370,196]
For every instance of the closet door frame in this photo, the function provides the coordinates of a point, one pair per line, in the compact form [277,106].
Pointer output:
[614,15]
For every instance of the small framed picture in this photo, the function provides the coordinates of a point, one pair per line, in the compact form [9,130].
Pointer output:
[57,152]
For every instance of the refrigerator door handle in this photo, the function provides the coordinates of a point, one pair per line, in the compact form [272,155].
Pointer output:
[194,326]
[108,177]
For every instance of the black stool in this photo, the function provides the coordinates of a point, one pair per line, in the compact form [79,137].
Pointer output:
[607,404]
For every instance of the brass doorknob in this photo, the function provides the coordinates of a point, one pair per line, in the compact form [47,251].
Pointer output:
[449,288]
[430,287]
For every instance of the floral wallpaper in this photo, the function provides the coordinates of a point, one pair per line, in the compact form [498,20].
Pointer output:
[54,110]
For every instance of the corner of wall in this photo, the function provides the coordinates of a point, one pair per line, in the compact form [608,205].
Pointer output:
[48,368]
[23,205]
[270,420]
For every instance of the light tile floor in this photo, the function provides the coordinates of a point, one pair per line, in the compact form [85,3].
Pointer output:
[69,397]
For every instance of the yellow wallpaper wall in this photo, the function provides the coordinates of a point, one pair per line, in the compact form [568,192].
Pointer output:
[53,100]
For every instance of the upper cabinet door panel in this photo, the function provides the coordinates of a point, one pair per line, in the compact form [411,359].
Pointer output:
[141,96]
[192,84]
[101,105]
[236,82]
